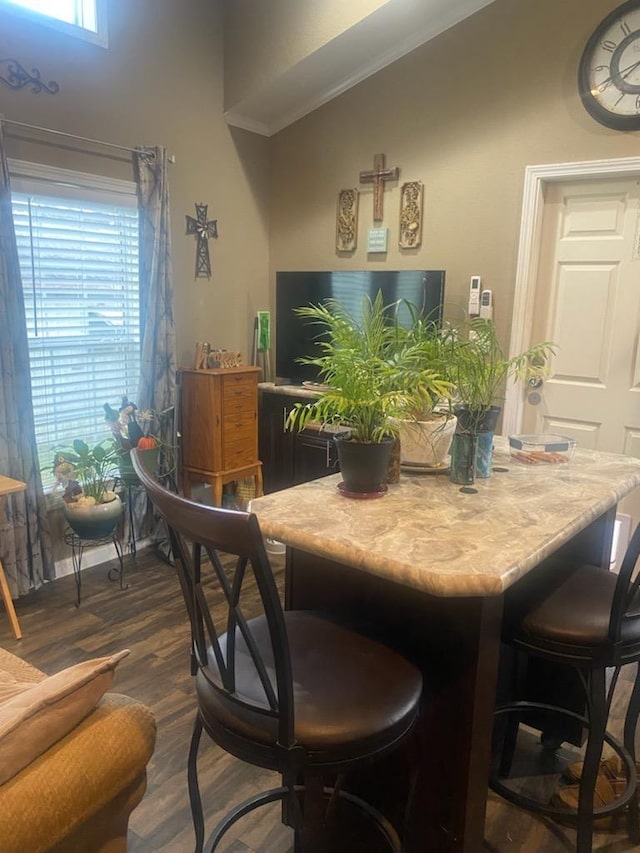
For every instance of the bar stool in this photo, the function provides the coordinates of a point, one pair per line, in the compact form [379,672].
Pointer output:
[289,691]
[588,618]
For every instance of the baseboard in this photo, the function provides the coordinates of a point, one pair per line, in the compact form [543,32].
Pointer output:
[94,557]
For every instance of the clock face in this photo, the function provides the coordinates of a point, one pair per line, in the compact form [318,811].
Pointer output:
[609,74]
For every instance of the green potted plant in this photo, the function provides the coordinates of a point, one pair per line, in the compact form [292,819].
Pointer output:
[361,367]
[478,368]
[86,474]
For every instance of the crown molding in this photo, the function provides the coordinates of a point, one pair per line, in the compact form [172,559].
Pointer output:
[347,60]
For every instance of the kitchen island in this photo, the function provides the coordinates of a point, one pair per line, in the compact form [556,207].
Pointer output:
[425,569]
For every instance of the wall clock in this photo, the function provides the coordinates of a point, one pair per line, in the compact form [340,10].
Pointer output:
[609,73]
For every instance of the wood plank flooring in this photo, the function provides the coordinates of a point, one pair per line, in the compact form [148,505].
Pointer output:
[149,619]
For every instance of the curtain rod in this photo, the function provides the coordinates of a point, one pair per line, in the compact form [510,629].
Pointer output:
[128,148]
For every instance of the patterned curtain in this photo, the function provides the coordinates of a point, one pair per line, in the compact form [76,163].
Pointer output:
[158,374]
[158,367]
[25,541]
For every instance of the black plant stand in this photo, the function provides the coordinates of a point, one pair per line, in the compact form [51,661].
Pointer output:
[127,492]
[78,544]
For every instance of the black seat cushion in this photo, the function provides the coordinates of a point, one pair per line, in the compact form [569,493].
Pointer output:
[350,692]
[570,609]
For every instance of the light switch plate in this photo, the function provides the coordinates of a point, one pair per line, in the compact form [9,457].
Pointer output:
[377,239]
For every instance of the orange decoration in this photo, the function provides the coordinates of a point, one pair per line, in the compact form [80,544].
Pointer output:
[147,442]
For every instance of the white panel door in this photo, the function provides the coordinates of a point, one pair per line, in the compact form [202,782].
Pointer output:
[588,304]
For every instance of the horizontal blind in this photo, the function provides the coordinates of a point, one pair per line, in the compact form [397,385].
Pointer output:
[79,265]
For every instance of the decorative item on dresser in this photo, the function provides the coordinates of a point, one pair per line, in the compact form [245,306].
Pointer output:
[219,427]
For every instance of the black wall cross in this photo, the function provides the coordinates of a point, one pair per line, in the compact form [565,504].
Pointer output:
[203,230]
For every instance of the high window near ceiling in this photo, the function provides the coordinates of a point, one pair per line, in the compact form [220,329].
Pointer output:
[77,239]
[83,18]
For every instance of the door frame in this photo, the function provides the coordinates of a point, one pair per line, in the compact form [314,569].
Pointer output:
[535,180]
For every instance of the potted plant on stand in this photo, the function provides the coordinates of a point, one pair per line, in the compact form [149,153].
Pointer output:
[91,507]
[478,368]
[364,398]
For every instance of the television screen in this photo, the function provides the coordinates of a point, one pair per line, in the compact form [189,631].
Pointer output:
[296,337]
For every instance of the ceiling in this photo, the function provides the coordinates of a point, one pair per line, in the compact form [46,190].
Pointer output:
[395,29]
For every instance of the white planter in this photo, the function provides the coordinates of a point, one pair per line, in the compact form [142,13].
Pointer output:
[426,443]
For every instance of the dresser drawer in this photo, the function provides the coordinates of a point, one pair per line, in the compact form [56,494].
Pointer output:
[237,426]
[239,394]
[239,453]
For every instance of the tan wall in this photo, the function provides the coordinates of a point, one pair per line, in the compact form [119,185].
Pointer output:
[264,40]
[465,114]
[160,82]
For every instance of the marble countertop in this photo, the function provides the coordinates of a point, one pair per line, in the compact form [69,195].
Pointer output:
[427,534]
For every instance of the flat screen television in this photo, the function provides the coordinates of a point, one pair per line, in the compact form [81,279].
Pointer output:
[296,337]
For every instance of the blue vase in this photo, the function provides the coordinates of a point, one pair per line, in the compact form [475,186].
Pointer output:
[484,454]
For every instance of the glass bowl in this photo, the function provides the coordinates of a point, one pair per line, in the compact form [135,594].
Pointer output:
[543,449]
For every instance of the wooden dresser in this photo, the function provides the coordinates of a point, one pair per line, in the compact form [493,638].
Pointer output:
[219,427]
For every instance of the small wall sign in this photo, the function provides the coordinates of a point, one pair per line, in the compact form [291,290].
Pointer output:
[377,239]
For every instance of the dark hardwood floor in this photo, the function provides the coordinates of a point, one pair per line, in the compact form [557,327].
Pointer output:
[149,619]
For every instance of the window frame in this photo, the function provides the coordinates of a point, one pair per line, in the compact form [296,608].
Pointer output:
[99,37]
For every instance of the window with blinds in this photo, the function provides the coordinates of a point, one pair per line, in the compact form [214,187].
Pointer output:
[78,250]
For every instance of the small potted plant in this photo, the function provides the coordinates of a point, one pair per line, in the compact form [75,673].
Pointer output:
[86,475]
[361,368]
[478,368]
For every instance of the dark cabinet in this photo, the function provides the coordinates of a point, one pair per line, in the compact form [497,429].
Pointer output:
[275,446]
[290,458]
[314,456]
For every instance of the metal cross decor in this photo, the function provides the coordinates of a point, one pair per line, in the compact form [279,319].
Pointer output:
[203,230]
